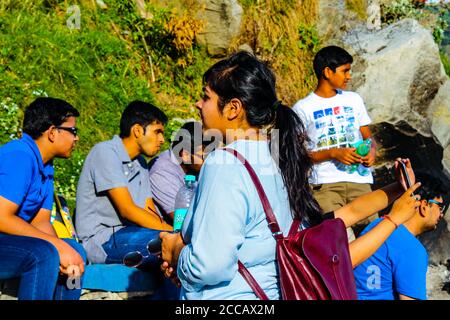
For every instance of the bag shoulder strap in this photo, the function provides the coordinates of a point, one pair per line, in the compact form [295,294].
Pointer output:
[251,281]
[270,216]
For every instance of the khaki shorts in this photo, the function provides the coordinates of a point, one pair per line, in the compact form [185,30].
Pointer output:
[332,196]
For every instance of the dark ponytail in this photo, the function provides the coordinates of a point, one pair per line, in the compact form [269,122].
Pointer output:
[295,163]
[248,79]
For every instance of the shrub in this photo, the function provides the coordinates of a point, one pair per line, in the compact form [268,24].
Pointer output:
[397,10]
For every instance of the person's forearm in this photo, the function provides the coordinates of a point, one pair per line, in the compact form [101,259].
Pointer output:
[366,205]
[14,225]
[321,156]
[365,246]
[145,219]
[46,227]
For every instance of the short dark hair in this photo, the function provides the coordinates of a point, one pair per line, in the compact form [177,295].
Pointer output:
[431,187]
[331,57]
[189,137]
[142,113]
[45,112]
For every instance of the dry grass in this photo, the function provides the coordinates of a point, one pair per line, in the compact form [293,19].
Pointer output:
[358,6]
[271,28]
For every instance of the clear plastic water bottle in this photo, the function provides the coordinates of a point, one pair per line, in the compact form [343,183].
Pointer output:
[354,140]
[352,135]
[183,201]
[363,149]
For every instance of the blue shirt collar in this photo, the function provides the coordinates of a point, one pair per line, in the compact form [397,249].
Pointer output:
[28,140]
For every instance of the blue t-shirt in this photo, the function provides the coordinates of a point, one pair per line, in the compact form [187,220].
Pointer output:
[24,179]
[399,266]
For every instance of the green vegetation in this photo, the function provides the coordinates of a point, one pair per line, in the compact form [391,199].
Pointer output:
[113,58]
[399,9]
[445,61]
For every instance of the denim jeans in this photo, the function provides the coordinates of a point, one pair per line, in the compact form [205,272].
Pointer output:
[36,263]
[134,238]
[129,239]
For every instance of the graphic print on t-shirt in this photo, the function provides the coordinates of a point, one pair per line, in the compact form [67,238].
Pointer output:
[331,125]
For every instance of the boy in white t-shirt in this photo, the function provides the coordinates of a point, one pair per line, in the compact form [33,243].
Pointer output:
[327,114]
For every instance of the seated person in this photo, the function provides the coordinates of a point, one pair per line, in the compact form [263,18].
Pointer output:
[29,247]
[185,156]
[115,211]
[397,270]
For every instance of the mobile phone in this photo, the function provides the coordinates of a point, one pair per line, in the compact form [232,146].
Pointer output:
[405,174]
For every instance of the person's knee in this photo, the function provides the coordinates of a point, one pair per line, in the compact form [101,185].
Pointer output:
[43,252]
[77,247]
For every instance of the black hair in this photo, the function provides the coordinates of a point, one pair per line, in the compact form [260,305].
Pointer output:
[248,79]
[431,187]
[331,57]
[45,112]
[142,113]
[189,137]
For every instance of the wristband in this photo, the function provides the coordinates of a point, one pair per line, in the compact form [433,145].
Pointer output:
[386,217]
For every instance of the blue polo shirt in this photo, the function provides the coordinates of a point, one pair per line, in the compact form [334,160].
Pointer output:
[399,266]
[24,179]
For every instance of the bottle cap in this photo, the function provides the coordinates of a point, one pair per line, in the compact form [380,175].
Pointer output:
[189,177]
[363,149]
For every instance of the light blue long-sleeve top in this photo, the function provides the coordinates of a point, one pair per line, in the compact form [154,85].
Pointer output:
[226,222]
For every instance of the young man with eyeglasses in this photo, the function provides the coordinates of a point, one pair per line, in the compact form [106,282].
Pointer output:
[115,210]
[397,270]
[29,247]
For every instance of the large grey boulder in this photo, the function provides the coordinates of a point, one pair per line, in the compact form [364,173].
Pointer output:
[439,113]
[399,73]
[222,23]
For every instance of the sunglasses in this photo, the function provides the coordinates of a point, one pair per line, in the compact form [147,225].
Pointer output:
[72,130]
[442,205]
[135,259]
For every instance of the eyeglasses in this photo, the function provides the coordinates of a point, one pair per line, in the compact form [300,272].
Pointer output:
[442,206]
[135,259]
[72,130]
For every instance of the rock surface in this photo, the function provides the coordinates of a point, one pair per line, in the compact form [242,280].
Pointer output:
[439,113]
[335,19]
[438,282]
[399,73]
[222,23]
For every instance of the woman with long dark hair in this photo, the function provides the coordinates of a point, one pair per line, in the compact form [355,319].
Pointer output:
[228,222]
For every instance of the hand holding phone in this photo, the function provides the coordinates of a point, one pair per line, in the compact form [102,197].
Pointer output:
[405,176]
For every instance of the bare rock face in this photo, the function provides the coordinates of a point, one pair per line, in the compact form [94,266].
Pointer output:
[398,72]
[222,23]
[401,74]
[335,19]
[439,113]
